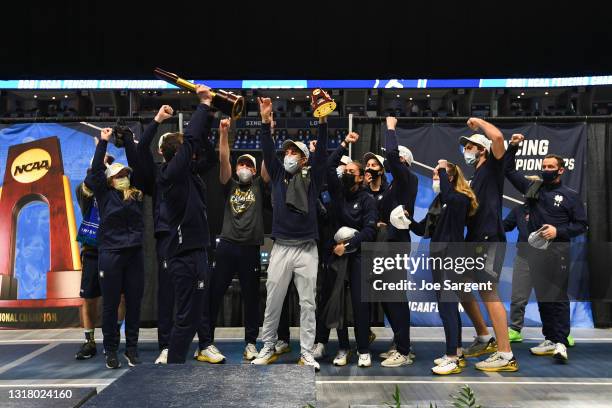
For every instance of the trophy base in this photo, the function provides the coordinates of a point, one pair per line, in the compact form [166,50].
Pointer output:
[8,287]
[325,109]
[63,284]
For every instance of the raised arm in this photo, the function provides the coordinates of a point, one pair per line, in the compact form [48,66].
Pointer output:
[319,159]
[225,167]
[96,179]
[515,177]
[273,164]
[398,169]
[492,133]
[265,176]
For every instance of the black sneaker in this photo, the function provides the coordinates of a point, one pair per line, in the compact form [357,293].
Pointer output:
[111,360]
[88,350]
[132,358]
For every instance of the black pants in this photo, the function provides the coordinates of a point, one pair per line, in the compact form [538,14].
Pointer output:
[361,310]
[121,271]
[549,271]
[165,294]
[244,261]
[191,282]
[448,308]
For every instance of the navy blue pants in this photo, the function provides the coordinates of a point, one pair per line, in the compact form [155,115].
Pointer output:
[121,271]
[191,281]
[165,294]
[244,261]
[448,308]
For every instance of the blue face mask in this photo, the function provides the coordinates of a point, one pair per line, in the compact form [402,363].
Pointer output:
[470,158]
[548,176]
[291,164]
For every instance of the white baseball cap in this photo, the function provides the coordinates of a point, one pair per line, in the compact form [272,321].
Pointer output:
[248,157]
[161,139]
[536,240]
[114,169]
[378,158]
[477,139]
[398,218]
[406,154]
[301,146]
[344,234]
[345,160]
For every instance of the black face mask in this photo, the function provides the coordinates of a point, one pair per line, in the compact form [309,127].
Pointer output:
[374,173]
[348,181]
[548,176]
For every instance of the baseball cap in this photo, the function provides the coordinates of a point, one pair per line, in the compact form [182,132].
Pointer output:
[161,139]
[114,169]
[378,158]
[246,157]
[398,218]
[406,154]
[345,160]
[297,144]
[477,139]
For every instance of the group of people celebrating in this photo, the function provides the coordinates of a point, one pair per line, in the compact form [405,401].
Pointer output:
[324,206]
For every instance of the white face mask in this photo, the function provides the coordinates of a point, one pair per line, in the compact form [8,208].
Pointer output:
[121,184]
[435,186]
[244,175]
[470,158]
[291,164]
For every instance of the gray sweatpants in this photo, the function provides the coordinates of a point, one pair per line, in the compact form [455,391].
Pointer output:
[300,263]
[521,290]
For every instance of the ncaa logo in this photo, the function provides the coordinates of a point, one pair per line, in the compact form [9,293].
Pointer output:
[31,165]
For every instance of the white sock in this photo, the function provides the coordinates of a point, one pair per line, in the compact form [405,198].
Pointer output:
[506,355]
[485,338]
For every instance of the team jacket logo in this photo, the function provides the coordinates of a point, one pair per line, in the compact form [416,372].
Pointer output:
[31,165]
[241,200]
[558,199]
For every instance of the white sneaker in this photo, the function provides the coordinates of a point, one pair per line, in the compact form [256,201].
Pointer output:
[560,353]
[267,355]
[445,359]
[388,353]
[342,358]
[308,360]
[496,362]
[210,355]
[318,351]
[365,360]
[281,347]
[397,359]
[163,357]
[250,352]
[546,348]
[448,366]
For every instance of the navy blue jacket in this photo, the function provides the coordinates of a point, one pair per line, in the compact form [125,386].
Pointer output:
[121,224]
[288,224]
[517,218]
[183,190]
[556,204]
[401,191]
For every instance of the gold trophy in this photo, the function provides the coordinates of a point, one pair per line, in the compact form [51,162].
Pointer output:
[227,102]
[322,103]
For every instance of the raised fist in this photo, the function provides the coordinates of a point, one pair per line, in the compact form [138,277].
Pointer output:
[516,139]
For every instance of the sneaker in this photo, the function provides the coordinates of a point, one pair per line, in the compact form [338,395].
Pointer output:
[132,358]
[560,353]
[87,350]
[371,337]
[210,355]
[570,341]
[364,360]
[546,348]
[461,361]
[318,351]
[449,366]
[388,353]
[478,348]
[411,353]
[163,357]
[342,358]
[111,360]
[397,359]
[281,347]
[307,359]
[515,336]
[250,352]
[267,355]
[496,363]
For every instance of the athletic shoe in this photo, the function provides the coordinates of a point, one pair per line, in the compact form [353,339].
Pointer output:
[250,352]
[111,360]
[87,350]
[461,361]
[397,359]
[570,341]
[546,348]
[307,359]
[449,366]
[281,347]
[364,360]
[560,353]
[318,351]
[132,358]
[411,353]
[496,363]
[371,337]
[478,348]
[163,357]
[515,336]
[210,355]
[388,353]
[342,358]
[267,355]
